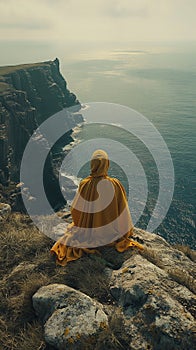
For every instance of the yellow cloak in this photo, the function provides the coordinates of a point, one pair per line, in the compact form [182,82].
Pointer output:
[100,215]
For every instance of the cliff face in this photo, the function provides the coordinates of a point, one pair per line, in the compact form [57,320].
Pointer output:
[29,94]
[44,86]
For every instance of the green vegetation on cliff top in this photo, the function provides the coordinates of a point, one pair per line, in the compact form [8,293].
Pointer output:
[4,70]
[10,69]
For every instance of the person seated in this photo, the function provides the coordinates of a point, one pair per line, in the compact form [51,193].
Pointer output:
[100,215]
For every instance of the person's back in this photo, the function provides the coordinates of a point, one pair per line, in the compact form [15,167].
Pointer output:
[100,215]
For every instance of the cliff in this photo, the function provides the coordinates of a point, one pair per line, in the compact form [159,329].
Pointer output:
[134,300]
[29,94]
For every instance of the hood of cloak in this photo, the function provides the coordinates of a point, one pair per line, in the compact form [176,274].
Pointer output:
[99,163]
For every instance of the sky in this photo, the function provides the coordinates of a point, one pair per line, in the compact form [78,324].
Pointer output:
[29,29]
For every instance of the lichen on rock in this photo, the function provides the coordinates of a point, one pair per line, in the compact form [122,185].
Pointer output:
[69,316]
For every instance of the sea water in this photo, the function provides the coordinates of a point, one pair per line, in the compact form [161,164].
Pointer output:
[159,82]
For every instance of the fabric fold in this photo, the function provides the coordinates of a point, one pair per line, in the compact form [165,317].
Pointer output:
[100,214]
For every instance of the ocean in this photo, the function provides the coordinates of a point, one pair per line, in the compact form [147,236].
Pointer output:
[158,81]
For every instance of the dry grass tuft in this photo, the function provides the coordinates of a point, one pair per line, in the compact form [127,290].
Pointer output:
[87,276]
[152,256]
[191,254]
[30,337]
[25,266]
[182,277]
[20,241]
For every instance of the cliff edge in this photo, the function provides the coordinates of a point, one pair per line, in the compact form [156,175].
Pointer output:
[29,94]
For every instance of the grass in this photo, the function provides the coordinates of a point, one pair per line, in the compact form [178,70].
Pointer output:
[4,70]
[152,256]
[10,69]
[184,278]
[191,254]
[29,337]
[26,265]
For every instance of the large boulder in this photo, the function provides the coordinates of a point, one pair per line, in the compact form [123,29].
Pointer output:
[152,306]
[72,319]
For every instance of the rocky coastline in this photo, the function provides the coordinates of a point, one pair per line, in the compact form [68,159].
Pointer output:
[30,94]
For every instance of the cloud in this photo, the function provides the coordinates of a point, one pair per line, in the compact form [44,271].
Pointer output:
[26,25]
[126,8]
[19,18]
[84,21]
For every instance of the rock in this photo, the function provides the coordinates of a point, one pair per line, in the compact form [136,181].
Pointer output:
[71,318]
[151,306]
[5,211]
[153,291]
[64,214]
[163,255]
